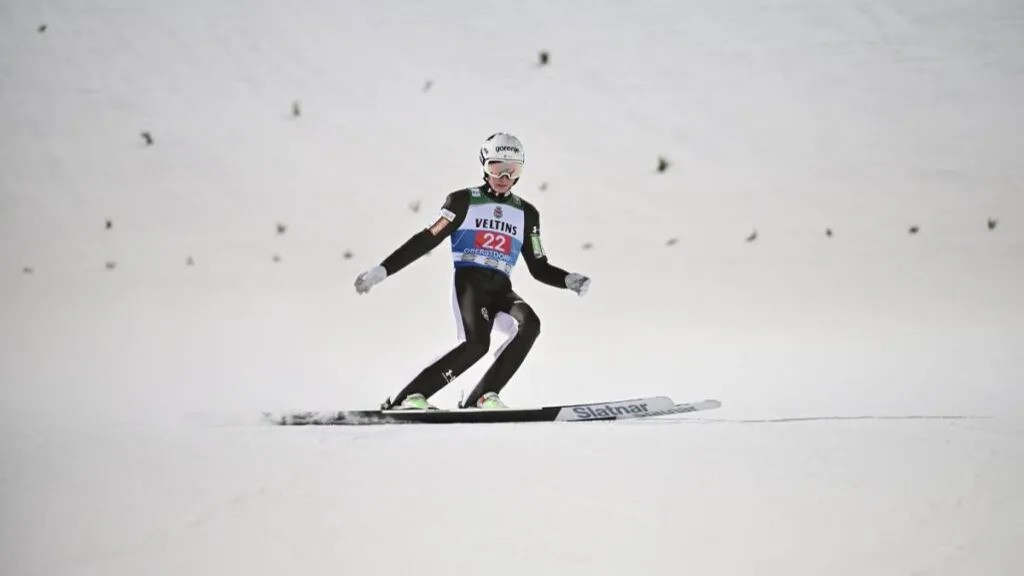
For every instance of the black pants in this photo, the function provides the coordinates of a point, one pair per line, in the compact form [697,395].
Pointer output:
[480,295]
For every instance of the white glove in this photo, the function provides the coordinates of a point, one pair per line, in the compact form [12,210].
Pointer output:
[578,283]
[370,278]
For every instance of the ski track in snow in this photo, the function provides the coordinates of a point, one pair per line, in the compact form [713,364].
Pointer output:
[836,418]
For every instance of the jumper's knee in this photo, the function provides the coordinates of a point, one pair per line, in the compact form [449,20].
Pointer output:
[474,350]
[529,326]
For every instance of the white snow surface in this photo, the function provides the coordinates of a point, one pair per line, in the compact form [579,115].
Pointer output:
[872,381]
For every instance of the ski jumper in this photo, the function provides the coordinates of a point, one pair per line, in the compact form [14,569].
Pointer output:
[488,235]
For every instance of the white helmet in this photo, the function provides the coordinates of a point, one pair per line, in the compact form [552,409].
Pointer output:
[503,147]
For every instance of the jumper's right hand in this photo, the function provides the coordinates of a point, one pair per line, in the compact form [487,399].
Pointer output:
[370,278]
[578,283]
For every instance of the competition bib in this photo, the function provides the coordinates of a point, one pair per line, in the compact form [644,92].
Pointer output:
[492,234]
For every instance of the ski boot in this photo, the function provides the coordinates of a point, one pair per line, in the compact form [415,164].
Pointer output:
[411,402]
[490,401]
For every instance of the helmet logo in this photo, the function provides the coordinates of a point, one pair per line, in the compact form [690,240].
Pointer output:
[511,149]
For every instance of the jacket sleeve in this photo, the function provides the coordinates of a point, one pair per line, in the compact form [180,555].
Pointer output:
[452,214]
[533,252]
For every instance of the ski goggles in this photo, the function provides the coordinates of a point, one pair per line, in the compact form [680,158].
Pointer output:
[499,168]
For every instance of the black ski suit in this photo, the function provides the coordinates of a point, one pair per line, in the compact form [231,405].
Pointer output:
[481,293]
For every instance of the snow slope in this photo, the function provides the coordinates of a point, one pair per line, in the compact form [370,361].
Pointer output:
[873,418]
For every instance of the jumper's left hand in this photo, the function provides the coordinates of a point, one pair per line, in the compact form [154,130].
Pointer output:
[370,278]
[578,283]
